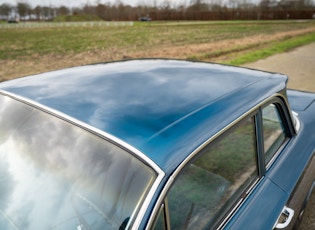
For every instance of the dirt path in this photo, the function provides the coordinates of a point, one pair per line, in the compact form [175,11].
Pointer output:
[298,65]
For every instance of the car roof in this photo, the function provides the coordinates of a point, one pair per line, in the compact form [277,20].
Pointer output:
[164,108]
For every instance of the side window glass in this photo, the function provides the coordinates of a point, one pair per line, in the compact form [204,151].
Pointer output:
[161,222]
[213,182]
[273,131]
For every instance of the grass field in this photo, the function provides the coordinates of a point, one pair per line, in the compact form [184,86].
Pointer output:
[26,51]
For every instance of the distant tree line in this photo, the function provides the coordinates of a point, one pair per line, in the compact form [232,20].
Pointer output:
[149,9]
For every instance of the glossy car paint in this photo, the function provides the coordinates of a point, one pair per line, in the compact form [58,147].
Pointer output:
[159,107]
[166,109]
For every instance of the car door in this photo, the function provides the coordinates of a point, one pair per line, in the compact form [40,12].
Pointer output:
[210,186]
[228,184]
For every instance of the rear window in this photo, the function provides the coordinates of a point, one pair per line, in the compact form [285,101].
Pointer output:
[55,175]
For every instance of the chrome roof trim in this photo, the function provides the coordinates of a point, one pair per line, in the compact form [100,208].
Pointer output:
[203,145]
[108,137]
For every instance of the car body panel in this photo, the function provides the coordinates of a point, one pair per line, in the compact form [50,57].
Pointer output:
[283,175]
[300,100]
[259,215]
[165,111]
[299,144]
[162,126]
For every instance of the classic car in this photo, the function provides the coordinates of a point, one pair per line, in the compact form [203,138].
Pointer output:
[155,144]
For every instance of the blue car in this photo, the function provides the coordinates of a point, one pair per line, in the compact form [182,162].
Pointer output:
[155,144]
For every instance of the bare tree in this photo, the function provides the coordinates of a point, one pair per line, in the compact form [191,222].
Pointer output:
[63,10]
[105,11]
[245,4]
[166,5]
[5,10]
[198,6]
[88,9]
[38,12]
[101,10]
[233,3]
[166,9]
[47,13]
[23,9]
[269,4]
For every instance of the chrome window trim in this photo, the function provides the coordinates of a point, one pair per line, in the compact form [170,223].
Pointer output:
[287,138]
[297,123]
[170,181]
[277,153]
[237,205]
[147,201]
[108,137]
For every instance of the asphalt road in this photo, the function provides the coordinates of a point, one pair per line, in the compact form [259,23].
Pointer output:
[299,66]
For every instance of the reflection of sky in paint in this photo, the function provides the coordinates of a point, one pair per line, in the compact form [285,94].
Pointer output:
[134,100]
[49,169]
[160,107]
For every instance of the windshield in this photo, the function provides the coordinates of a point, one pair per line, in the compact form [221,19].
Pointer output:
[55,175]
